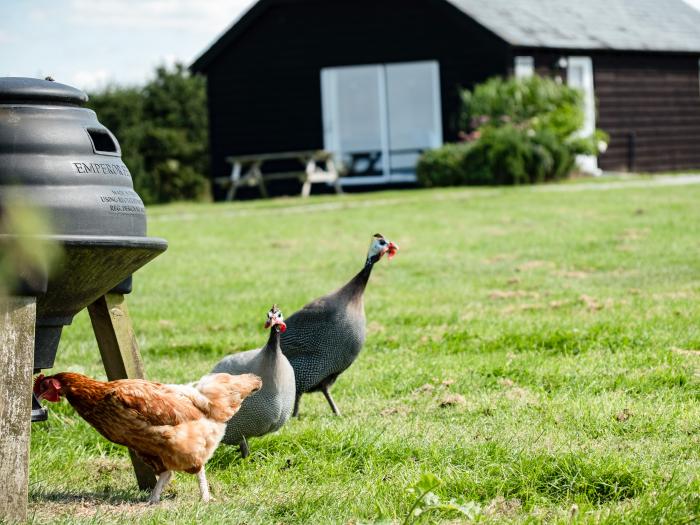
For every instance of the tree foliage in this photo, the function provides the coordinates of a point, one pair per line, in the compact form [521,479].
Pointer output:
[162,129]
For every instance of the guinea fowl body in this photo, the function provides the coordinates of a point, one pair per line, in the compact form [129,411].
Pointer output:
[269,408]
[325,337]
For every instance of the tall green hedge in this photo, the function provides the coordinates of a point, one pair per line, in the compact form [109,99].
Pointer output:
[162,129]
[516,131]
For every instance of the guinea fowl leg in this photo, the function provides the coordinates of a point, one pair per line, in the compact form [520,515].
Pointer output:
[243,446]
[160,485]
[203,485]
[329,398]
[295,412]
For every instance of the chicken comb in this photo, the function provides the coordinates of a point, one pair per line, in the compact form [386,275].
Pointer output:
[37,382]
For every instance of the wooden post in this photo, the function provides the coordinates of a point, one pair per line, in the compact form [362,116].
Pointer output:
[235,176]
[17,320]
[330,167]
[257,173]
[310,170]
[120,355]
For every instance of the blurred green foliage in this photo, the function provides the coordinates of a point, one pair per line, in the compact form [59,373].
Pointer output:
[26,249]
[516,131]
[163,132]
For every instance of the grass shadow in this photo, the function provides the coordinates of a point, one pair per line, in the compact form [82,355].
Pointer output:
[106,497]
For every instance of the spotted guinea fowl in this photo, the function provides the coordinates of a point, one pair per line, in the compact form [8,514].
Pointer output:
[268,409]
[324,338]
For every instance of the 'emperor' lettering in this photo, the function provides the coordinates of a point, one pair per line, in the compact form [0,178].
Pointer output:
[105,168]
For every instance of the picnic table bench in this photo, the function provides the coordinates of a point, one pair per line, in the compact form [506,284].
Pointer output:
[246,170]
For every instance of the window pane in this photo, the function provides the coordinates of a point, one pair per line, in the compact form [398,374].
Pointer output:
[524,67]
[414,112]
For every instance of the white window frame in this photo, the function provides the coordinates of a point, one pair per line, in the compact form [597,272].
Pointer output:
[523,66]
[587,163]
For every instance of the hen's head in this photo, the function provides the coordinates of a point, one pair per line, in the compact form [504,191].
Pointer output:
[380,246]
[48,388]
[275,318]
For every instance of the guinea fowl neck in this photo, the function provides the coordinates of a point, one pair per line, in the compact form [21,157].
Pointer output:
[356,286]
[273,342]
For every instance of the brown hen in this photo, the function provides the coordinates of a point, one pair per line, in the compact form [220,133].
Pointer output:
[171,427]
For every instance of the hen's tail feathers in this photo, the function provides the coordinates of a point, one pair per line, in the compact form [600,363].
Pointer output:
[226,393]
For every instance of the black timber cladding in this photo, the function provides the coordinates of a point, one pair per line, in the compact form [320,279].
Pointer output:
[264,77]
[265,89]
[649,104]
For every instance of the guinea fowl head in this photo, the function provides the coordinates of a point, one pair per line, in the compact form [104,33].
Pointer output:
[275,318]
[380,246]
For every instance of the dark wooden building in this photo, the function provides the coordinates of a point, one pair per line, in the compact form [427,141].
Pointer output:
[377,81]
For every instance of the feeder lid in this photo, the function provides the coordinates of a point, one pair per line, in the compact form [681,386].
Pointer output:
[33,90]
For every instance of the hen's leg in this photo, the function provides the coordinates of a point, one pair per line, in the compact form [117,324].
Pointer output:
[295,413]
[243,445]
[160,485]
[203,485]
[329,398]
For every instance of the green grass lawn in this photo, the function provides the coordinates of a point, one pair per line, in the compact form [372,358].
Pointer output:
[537,351]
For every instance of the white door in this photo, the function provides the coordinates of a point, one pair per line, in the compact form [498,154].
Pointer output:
[377,119]
[354,125]
[415,113]
[580,76]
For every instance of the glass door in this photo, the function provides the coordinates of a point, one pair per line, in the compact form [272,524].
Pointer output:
[414,113]
[354,123]
[377,119]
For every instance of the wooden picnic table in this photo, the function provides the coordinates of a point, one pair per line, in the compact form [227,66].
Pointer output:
[246,170]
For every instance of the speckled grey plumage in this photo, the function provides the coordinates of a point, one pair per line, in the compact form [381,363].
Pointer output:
[269,408]
[325,337]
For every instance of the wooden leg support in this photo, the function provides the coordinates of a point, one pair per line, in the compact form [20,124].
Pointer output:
[120,355]
[17,319]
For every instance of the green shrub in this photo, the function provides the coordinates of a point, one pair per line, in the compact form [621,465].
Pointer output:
[442,166]
[539,102]
[516,132]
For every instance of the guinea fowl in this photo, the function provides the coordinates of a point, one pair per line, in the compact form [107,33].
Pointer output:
[270,408]
[324,338]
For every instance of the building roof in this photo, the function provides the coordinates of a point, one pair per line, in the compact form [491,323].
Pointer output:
[624,25]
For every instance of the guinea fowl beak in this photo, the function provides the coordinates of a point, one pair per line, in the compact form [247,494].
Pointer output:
[269,323]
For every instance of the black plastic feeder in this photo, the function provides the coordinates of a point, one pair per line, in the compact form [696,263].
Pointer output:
[55,155]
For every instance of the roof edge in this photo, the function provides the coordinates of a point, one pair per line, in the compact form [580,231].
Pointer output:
[240,24]
[256,9]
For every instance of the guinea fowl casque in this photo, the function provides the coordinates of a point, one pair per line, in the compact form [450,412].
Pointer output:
[271,407]
[325,337]
[170,427]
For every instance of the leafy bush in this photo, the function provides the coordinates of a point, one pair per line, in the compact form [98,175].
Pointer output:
[540,102]
[517,131]
[162,130]
[443,166]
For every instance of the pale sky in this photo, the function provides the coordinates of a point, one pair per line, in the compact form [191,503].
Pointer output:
[89,43]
